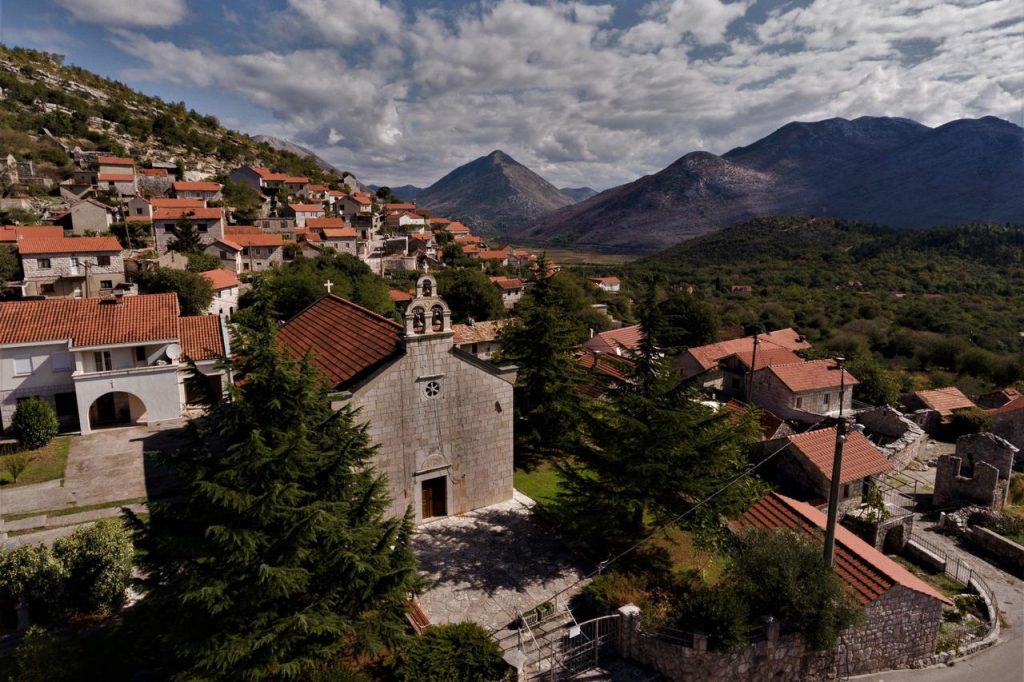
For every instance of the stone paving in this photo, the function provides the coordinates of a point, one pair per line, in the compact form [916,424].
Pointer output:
[482,565]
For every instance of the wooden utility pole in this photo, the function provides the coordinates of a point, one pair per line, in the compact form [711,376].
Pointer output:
[837,471]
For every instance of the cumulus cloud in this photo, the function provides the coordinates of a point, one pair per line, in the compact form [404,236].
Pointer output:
[403,96]
[142,13]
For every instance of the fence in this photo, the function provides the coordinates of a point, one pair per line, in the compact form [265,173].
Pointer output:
[959,570]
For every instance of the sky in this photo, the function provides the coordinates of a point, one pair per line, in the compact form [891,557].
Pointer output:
[584,93]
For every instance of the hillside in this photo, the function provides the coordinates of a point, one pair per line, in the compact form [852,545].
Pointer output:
[889,171]
[578,194]
[48,109]
[493,193]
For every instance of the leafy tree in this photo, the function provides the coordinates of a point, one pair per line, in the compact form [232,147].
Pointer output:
[687,321]
[455,652]
[781,573]
[186,237]
[720,611]
[200,261]
[245,199]
[384,195]
[16,464]
[279,555]
[8,267]
[195,293]
[97,560]
[541,343]
[877,386]
[34,423]
[32,573]
[44,657]
[470,293]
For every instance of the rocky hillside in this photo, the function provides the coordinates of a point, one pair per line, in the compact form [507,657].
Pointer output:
[47,109]
[578,194]
[889,171]
[493,193]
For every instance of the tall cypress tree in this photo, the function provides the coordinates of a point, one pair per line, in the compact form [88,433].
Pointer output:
[653,451]
[279,556]
[541,343]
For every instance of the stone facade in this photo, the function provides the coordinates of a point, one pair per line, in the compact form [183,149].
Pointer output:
[1003,549]
[899,630]
[438,413]
[899,438]
[989,461]
[72,275]
[769,392]
[1009,425]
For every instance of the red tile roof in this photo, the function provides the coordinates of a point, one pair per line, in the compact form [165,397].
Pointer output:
[708,356]
[267,174]
[30,246]
[440,221]
[12,233]
[493,255]
[472,248]
[340,233]
[186,186]
[458,228]
[159,172]
[306,208]
[945,400]
[161,202]
[242,229]
[191,213]
[230,243]
[399,296]
[867,572]
[258,239]
[115,177]
[317,188]
[91,321]
[325,222]
[770,423]
[115,161]
[766,357]
[221,278]
[346,341]
[138,219]
[468,239]
[401,207]
[1012,406]
[860,457]
[201,337]
[614,341]
[609,365]
[296,180]
[508,282]
[812,375]
[611,281]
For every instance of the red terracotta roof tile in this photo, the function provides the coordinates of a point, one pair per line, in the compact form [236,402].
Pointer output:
[945,401]
[616,341]
[346,341]
[221,278]
[611,281]
[306,208]
[186,186]
[325,222]
[267,174]
[505,283]
[243,229]
[709,355]
[770,423]
[1012,406]
[766,357]
[867,572]
[190,213]
[811,375]
[260,239]
[157,172]
[13,233]
[91,321]
[399,296]
[115,177]
[492,254]
[340,233]
[115,161]
[201,337]
[860,456]
[161,202]
[38,245]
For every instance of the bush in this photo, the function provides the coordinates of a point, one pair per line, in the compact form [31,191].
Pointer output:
[969,420]
[35,423]
[98,562]
[459,652]
[16,464]
[720,611]
[200,261]
[32,573]
[609,591]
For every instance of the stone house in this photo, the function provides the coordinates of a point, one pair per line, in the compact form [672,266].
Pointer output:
[979,472]
[116,165]
[1008,422]
[143,207]
[228,251]
[612,285]
[296,185]
[701,363]
[804,391]
[258,177]
[615,341]
[153,181]
[897,437]
[442,418]
[342,240]
[356,204]
[71,267]
[104,362]
[997,399]
[208,222]
[303,212]
[736,369]
[206,191]
[479,339]
[259,251]
[933,410]
[772,428]
[511,289]
[87,216]
[225,292]
[493,256]
[123,184]
[803,468]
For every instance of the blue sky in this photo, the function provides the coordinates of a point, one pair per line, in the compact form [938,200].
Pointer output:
[582,92]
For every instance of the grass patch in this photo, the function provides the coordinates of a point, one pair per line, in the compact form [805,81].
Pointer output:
[45,464]
[540,483]
[945,585]
[686,556]
[65,511]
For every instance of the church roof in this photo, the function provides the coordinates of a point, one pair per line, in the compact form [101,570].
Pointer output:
[346,341]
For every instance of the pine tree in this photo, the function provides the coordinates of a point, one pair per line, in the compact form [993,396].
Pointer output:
[186,237]
[541,344]
[653,452]
[279,556]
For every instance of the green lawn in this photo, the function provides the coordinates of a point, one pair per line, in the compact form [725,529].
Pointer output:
[940,581]
[45,464]
[539,483]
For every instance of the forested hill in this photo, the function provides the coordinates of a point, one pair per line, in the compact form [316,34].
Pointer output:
[48,109]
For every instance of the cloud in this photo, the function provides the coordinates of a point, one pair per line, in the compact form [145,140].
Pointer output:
[400,96]
[141,13]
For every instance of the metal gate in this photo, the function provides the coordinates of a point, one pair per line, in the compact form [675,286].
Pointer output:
[588,645]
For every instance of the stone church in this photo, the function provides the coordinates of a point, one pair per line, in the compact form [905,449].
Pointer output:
[442,417]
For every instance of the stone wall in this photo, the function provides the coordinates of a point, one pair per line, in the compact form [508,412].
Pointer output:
[899,630]
[1003,549]
[1010,425]
[902,437]
[991,458]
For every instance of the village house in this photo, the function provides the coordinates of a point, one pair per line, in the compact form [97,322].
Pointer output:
[600,372]
[772,427]
[207,191]
[104,361]
[933,410]
[87,216]
[701,363]
[225,292]
[138,207]
[303,212]
[228,251]
[296,184]
[71,267]
[902,613]
[442,418]
[258,177]
[511,289]
[355,204]
[803,469]
[153,181]
[456,228]
[479,339]
[737,368]
[259,251]
[804,391]
[619,342]
[116,173]
[494,256]
[342,240]
[316,193]
[1008,422]
[208,222]
[608,284]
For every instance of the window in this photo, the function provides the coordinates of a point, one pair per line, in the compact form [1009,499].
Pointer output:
[44,263]
[203,228]
[60,361]
[826,400]
[140,353]
[103,361]
[473,349]
[799,403]
[735,382]
[74,262]
[138,211]
[22,365]
[169,229]
[846,490]
[106,284]
[432,389]
[103,261]
[47,288]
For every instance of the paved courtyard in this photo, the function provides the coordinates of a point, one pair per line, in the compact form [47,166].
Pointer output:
[483,565]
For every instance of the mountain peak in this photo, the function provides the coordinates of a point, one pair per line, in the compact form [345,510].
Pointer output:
[500,157]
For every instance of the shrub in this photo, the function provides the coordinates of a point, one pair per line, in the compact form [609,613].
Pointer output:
[16,464]
[459,652]
[31,572]
[720,611]
[35,423]
[969,420]
[43,657]
[98,563]
[609,591]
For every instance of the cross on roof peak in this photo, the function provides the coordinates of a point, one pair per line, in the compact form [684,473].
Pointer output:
[327,285]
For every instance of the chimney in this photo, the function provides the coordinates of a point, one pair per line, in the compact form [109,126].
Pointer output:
[597,361]
[591,332]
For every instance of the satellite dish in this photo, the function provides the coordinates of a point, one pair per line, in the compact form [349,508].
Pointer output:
[173,351]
